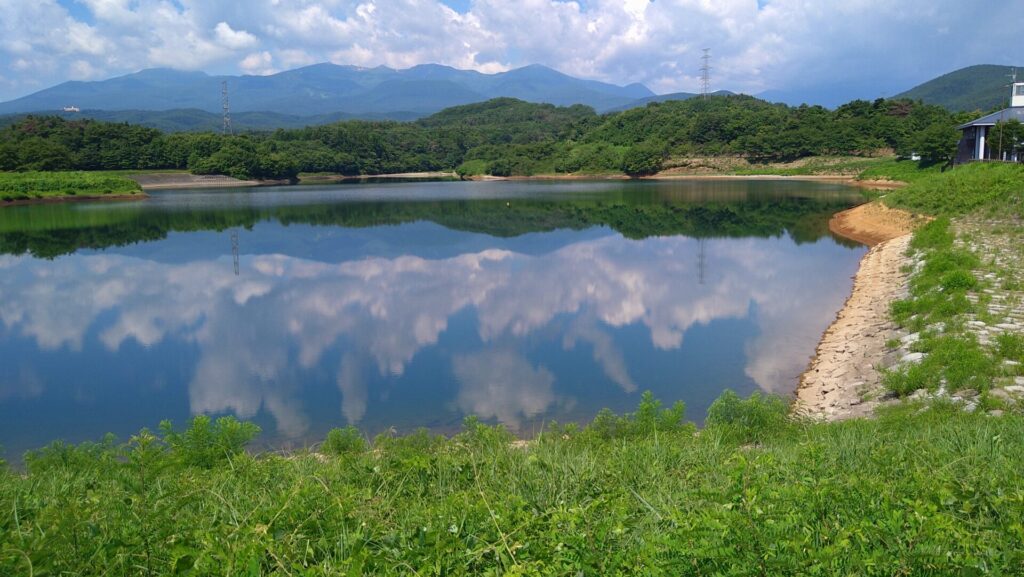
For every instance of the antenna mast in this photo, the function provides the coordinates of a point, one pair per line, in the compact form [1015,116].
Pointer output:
[705,74]
[226,127]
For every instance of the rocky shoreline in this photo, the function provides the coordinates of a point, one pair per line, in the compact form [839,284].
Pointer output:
[843,378]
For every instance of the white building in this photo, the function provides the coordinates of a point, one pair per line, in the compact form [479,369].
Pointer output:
[975,144]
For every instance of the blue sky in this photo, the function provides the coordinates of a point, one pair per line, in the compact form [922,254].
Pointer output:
[840,49]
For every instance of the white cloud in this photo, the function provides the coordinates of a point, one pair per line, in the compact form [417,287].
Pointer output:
[377,314]
[501,384]
[876,45]
[261,63]
[234,39]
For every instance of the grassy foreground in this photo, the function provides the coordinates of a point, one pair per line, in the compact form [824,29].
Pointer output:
[933,492]
[40,185]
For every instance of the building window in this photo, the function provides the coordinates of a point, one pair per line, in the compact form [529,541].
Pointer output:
[1020,89]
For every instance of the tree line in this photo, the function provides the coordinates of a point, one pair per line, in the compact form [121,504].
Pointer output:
[502,137]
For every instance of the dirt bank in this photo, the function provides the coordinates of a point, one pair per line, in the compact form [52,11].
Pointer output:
[843,380]
[165,180]
[874,223]
[329,178]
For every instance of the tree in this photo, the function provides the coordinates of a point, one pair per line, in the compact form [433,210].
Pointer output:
[936,144]
[643,159]
[1006,138]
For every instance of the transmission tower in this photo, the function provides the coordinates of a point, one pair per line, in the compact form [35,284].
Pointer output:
[226,127]
[234,249]
[705,74]
[702,263]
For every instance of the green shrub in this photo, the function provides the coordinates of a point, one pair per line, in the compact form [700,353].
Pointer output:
[643,159]
[649,418]
[905,380]
[62,455]
[343,441]
[752,419]
[206,443]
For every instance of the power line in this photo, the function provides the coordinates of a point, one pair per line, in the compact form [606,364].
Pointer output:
[705,74]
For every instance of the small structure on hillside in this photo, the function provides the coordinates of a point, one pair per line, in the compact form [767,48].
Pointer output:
[975,144]
[71,109]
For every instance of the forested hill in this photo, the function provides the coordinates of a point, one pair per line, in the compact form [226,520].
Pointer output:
[502,137]
[983,87]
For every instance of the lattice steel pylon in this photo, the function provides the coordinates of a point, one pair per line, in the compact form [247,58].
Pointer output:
[702,263]
[234,249]
[226,106]
[705,74]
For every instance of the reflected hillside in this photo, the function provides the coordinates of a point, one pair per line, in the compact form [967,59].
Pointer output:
[637,212]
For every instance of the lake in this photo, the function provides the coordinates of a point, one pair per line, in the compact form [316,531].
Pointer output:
[406,305]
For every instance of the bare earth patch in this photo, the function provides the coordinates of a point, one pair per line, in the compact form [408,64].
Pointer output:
[873,223]
[158,181]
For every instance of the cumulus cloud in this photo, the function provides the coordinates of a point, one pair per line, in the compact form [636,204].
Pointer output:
[501,384]
[234,39]
[869,47]
[260,335]
[261,63]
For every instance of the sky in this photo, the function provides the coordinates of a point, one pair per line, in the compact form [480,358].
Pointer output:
[859,48]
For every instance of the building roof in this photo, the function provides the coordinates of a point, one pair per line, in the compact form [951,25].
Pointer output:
[1001,116]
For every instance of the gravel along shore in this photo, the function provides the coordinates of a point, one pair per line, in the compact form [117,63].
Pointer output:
[842,380]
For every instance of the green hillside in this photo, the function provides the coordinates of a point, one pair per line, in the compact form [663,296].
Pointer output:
[983,87]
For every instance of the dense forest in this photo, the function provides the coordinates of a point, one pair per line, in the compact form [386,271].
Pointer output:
[501,137]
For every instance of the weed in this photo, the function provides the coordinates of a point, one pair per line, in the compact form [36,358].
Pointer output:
[343,441]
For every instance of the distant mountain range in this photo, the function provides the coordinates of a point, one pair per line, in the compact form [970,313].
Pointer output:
[328,89]
[174,100]
[981,87]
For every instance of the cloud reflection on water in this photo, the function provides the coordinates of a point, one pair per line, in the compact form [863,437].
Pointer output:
[259,334]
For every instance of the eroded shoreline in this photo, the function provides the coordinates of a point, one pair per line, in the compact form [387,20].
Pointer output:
[843,378]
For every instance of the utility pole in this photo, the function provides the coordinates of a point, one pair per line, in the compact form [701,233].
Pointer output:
[705,74]
[226,126]
[1002,127]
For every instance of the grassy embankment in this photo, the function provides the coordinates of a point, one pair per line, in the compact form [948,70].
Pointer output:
[16,186]
[933,492]
[923,493]
[952,286]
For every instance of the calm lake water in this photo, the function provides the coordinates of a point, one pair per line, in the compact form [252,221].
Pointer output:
[409,304]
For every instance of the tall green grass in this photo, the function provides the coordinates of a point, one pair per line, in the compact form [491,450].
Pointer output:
[994,188]
[755,493]
[35,185]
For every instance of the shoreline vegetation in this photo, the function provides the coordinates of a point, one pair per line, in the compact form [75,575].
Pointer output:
[920,489]
[35,187]
[39,186]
